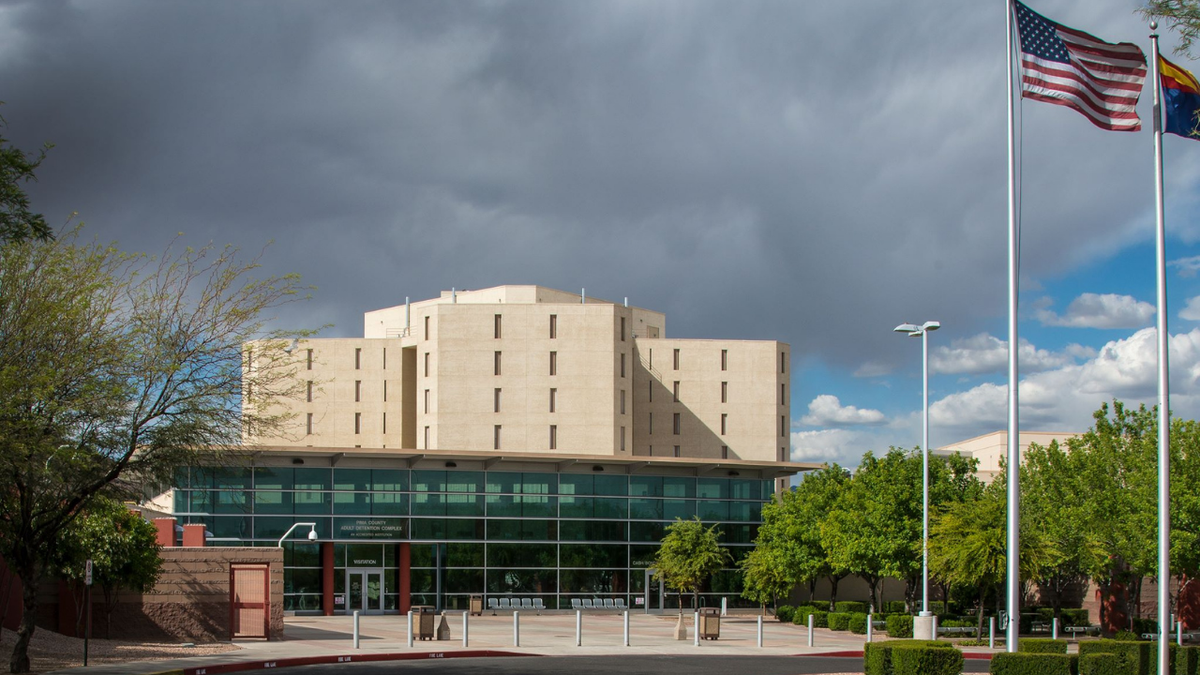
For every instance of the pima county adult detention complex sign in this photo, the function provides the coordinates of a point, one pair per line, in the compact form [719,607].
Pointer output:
[370,528]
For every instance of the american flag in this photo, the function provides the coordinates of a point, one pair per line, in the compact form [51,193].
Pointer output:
[1064,66]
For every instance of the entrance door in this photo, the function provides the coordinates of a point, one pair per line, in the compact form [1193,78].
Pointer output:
[653,595]
[364,591]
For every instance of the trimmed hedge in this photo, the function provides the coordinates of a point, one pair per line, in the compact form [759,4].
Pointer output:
[899,626]
[1033,663]
[1068,617]
[894,607]
[838,621]
[850,607]
[858,623]
[785,613]
[879,658]
[1101,663]
[1134,657]
[927,661]
[1185,660]
[820,617]
[1042,646]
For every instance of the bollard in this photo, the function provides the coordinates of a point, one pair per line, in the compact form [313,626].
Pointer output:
[991,632]
[356,629]
[626,628]
[465,641]
[516,629]
[810,630]
[1179,633]
[696,629]
[410,628]
[724,606]
[935,622]
[1054,628]
[760,631]
[578,628]
[870,626]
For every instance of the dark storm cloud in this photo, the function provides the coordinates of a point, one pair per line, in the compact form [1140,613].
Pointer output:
[813,172]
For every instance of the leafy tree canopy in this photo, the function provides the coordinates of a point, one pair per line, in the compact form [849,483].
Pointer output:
[17,221]
[690,553]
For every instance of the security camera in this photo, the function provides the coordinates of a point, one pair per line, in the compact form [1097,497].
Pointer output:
[312,535]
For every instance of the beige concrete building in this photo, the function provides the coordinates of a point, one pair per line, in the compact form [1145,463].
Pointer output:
[991,449]
[532,369]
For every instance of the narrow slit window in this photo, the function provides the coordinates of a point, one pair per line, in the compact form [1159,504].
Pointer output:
[724,392]
[622,329]
[554,363]
[675,424]
[309,351]
[497,363]
[553,436]
[385,423]
[308,424]
[622,401]
[496,401]
[357,358]
[724,420]
[622,439]
[724,452]
[622,365]
[553,400]
[677,451]
[651,424]
[427,334]
[496,437]
[676,359]
[426,364]
[675,390]
[426,401]
[497,326]
[310,391]
[724,359]
[357,391]
[357,423]
[553,326]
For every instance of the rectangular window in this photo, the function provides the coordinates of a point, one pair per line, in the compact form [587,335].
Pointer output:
[310,391]
[385,423]
[553,399]
[426,364]
[622,365]
[622,439]
[622,401]
[357,423]
[782,362]
[427,438]
[724,359]
[782,394]
[426,401]
[497,326]
[651,359]
[309,358]
[385,358]
[553,326]
[554,363]
[651,424]
[553,436]
[496,401]
[675,424]
[724,392]
[677,451]
[622,329]
[385,391]
[724,418]
[426,335]
[724,452]
[675,390]
[782,454]
[676,359]
[496,437]
[308,424]
[782,425]
[497,363]
[357,391]
[357,358]
[650,390]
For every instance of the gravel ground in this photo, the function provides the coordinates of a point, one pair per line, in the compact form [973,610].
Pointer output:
[52,651]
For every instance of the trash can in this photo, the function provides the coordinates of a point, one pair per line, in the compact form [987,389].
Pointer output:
[423,622]
[710,623]
[476,606]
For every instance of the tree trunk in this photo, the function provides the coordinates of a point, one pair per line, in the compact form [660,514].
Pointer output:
[874,604]
[19,663]
[833,584]
[982,600]
[4,601]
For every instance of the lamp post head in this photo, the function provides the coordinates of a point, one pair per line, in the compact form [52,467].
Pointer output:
[906,328]
[931,325]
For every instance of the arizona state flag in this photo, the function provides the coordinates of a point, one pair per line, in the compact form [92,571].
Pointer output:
[1181,100]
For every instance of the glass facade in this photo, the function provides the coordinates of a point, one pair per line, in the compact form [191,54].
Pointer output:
[551,535]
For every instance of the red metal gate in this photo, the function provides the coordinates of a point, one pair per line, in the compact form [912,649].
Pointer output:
[249,601]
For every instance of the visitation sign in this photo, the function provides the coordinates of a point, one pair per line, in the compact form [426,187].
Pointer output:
[370,528]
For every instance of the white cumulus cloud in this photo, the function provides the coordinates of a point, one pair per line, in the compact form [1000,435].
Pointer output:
[827,411]
[1095,310]
[985,353]
[1192,311]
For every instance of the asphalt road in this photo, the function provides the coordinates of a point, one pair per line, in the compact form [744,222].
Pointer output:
[618,665]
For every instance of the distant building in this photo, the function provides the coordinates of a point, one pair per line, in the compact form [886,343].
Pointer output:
[517,442]
[991,449]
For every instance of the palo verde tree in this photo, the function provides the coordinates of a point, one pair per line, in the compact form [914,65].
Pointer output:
[17,221]
[689,554]
[122,547]
[114,370]
[1182,16]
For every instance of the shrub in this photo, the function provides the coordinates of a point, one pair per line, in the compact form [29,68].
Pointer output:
[1075,617]
[784,613]
[1042,646]
[899,626]
[1101,663]
[820,617]
[858,623]
[1026,663]
[927,660]
[1185,660]
[1142,626]
[838,621]
[850,607]
[1025,622]
[894,607]
[1134,657]
[1126,636]
[878,656]
[957,623]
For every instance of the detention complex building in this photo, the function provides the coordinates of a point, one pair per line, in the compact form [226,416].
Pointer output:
[515,441]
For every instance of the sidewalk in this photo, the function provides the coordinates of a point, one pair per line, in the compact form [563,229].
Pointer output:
[330,639]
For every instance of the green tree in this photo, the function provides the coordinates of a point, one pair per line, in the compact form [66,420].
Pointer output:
[690,553]
[765,575]
[1182,16]
[121,545]
[114,370]
[17,221]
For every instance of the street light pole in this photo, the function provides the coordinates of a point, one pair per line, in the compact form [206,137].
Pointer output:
[922,331]
[312,534]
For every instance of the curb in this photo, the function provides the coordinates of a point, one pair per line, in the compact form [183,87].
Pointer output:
[977,656]
[220,668]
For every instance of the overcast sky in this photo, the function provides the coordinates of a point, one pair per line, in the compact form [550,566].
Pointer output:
[815,172]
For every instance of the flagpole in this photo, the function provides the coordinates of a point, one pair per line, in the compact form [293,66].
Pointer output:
[1164,411]
[1013,536]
